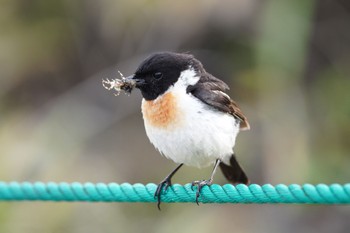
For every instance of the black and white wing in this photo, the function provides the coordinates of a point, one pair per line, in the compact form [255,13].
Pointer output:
[211,91]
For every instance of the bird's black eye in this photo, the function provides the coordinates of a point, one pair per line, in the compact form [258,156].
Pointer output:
[157,75]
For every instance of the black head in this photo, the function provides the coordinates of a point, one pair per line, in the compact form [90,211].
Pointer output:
[161,70]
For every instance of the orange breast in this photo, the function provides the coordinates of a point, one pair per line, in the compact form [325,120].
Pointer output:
[162,112]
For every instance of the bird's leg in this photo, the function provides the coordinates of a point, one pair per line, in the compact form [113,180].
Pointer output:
[201,183]
[165,183]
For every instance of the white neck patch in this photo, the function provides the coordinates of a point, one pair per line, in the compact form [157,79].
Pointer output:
[188,77]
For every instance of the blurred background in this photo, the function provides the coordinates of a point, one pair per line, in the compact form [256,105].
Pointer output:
[288,66]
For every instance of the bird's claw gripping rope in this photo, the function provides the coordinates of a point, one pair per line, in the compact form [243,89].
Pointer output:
[200,184]
[125,84]
[166,183]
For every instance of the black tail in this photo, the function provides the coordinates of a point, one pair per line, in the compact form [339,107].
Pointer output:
[234,172]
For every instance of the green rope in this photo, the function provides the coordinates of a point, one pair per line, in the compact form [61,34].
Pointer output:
[88,192]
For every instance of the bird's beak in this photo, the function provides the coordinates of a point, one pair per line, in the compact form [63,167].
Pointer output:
[133,79]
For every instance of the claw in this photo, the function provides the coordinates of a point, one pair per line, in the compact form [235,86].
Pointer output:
[200,184]
[166,183]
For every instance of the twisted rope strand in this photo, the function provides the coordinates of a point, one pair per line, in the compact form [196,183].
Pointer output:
[254,193]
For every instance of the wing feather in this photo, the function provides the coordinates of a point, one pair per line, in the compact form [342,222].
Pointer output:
[211,91]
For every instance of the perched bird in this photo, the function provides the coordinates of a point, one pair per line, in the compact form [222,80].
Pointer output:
[188,116]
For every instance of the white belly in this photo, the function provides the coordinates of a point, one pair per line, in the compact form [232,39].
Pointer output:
[198,136]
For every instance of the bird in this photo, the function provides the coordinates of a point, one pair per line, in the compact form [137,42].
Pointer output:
[189,117]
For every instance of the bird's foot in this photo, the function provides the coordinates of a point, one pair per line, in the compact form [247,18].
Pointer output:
[166,183]
[200,184]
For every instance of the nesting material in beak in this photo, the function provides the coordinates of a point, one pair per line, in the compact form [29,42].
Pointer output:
[126,84]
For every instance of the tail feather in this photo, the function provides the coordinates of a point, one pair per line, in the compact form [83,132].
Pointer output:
[234,172]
